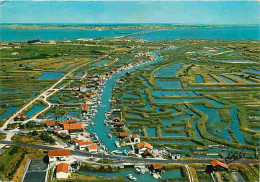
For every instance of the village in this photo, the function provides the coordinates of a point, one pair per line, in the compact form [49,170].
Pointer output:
[102,116]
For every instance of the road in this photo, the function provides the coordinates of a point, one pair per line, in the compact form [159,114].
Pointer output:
[189,173]
[124,158]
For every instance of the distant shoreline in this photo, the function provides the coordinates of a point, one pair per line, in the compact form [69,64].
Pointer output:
[113,26]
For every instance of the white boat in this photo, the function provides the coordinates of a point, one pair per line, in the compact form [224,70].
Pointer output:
[131,177]
[139,171]
[117,143]
[109,135]
[156,176]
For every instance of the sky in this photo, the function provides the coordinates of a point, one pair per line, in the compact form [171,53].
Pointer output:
[183,12]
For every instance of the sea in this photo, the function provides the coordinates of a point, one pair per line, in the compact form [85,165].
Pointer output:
[58,34]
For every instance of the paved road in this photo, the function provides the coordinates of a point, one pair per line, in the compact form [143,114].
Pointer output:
[123,158]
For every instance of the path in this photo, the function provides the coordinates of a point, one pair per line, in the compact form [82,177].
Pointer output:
[189,173]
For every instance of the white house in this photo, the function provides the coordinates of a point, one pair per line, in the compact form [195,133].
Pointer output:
[82,88]
[92,148]
[143,146]
[60,155]
[136,138]
[63,171]
[82,144]
[175,156]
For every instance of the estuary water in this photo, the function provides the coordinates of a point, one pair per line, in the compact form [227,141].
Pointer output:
[227,33]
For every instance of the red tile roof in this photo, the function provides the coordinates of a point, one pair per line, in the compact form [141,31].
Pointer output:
[218,163]
[63,122]
[145,145]
[116,118]
[73,126]
[157,166]
[60,152]
[123,134]
[85,143]
[84,107]
[73,121]
[136,136]
[62,167]
[119,124]
[92,147]
[147,151]
[50,122]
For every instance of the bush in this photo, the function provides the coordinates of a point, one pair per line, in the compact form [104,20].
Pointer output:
[45,137]
[34,133]
[14,150]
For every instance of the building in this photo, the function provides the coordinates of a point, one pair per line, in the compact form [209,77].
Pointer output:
[63,171]
[116,119]
[219,166]
[61,123]
[82,144]
[73,127]
[123,135]
[175,156]
[147,153]
[52,42]
[135,138]
[156,168]
[92,148]
[17,118]
[60,155]
[23,118]
[143,146]
[119,125]
[84,108]
[82,88]
[50,123]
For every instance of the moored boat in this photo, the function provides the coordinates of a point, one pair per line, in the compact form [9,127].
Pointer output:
[131,177]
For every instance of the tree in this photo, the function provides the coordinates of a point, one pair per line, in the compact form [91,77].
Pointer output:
[34,133]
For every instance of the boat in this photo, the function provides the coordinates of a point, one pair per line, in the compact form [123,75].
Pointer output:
[117,143]
[109,135]
[93,124]
[131,177]
[156,176]
[125,152]
[139,171]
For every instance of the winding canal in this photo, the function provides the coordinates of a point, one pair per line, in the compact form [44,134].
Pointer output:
[99,118]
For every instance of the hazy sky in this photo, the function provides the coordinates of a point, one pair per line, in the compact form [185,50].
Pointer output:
[191,12]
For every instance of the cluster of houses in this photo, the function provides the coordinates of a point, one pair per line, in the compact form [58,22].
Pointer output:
[20,117]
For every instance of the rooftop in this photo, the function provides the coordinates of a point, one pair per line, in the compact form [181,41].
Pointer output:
[62,167]
[60,152]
